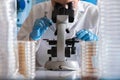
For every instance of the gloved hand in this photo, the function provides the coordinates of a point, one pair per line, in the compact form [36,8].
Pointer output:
[40,26]
[86,35]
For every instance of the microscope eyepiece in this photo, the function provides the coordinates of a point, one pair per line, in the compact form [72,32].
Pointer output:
[59,9]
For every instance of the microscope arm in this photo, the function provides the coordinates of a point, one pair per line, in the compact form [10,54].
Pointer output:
[61,25]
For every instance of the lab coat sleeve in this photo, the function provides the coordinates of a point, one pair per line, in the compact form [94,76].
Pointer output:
[26,28]
[91,17]
[94,16]
[36,12]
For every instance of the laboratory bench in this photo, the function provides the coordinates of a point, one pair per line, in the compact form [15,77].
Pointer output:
[43,74]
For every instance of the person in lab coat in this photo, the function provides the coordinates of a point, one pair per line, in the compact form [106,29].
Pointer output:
[37,27]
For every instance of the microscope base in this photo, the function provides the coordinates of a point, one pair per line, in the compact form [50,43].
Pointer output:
[62,65]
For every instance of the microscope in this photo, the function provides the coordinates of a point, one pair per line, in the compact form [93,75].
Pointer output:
[62,48]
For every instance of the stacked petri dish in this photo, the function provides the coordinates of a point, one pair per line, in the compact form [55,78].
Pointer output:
[8,53]
[26,52]
[89,69]
[109,39]
[2,47]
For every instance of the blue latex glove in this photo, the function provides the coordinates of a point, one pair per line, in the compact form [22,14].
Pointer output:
[86,35]
[91,1]
[40,26]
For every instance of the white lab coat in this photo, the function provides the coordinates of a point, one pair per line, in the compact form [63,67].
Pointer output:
[85,18]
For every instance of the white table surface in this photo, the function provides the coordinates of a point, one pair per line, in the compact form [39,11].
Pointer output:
[43,74]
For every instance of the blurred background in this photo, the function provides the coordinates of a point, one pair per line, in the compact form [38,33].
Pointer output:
[23,11]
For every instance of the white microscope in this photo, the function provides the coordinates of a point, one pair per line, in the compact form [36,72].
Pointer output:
[62,16]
